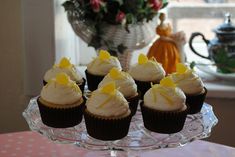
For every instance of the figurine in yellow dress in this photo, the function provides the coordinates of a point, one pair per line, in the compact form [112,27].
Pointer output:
[167,48]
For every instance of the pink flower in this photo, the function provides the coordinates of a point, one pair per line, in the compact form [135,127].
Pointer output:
[155,4]
[120,16]
[96,4]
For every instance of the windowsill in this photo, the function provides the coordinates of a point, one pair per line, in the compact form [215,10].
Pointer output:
[216,88]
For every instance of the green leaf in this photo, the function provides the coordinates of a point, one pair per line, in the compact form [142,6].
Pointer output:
[192,64]
[164,5]
[129,18]
[224,63]
[220,57]
[231,63]
[119,1]
[68,6]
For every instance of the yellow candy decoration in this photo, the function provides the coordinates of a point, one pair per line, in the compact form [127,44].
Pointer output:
[167,82]
[181,68]
[115,73]
[109,88]
[62,78]
[65,63]
[104,55]
[142,59]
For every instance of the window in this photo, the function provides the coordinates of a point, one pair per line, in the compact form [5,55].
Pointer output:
[199,16]
[48,35]
[187,15]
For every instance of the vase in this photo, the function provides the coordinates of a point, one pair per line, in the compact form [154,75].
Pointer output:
[137,37]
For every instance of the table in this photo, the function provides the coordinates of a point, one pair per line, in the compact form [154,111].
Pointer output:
[32,144]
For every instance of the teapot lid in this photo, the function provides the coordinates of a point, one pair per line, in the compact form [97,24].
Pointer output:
[227,26]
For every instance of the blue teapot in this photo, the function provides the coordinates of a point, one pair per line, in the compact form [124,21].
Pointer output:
[222,47]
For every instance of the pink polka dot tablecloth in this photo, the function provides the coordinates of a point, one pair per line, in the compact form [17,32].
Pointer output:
[32,144]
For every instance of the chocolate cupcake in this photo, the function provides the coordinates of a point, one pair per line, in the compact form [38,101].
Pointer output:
[65,66]
[192,86]
[125,84]
[99,67]
[107,114]
[196,101]
[163,108]
[60,103]
[145,73]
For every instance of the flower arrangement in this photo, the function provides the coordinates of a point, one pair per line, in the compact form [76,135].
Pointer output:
[114,12]
[117,11]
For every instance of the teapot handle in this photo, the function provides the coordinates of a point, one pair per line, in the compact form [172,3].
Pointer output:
[191,44]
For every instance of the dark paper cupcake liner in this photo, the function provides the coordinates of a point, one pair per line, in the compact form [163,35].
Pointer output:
[81,85]
[61,117]
[143,87]
[44,82]
[106,129]
[93,80]
[163,122]
[195,102]
[133,104]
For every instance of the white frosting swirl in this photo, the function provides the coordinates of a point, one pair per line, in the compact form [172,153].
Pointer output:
[126,85]
[71,72]
[150,71]
[189,82]
[106,105]
[102,67]
[165,98]
[59,94]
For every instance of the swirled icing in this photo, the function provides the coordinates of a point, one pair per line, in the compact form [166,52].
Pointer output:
[61,91]
[107,101]
[64,66]
[102,64]
[165,96]
[124,82]
[187,80]
[147,70]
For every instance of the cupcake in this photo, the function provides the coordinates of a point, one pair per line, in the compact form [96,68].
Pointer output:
[146,72]
[65,66]
[99,67]
[192,86]
[163,108]
[125,84]
[61,103]
[107,114]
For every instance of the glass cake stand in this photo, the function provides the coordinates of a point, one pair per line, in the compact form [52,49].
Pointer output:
[197,126]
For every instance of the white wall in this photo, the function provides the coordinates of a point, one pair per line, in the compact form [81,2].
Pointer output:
[223,132]
[39,42]
[13,102]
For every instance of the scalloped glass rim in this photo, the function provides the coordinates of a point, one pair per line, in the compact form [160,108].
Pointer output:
[197,126]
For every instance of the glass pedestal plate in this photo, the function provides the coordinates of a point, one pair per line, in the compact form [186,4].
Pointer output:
[197,126]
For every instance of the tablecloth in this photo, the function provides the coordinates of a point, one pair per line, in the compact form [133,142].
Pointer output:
[32,144]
